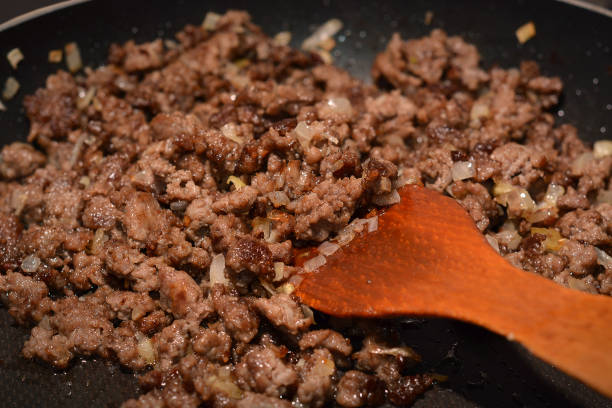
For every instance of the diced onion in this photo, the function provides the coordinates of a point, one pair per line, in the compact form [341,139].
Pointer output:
[278,198]
[85,181]
[14,57]
[462,170]
[553,193]
[11,87]
[372,223]
[146,351]
[238,184]
[493,242]
[286,288]
[223,383]
[429,15]
[387,199]
[401,351]
[304,134]
[85,97]
[578,165]
[97,244]
[518,200]
[479,110]
[525,32]
[217,270]
[55,56]
[260,224]
[328,248]
[229,131]
[30,264]
[602,148]
[509,236]
[576,284]
[282,38]
[603,258]
[554,240]
[280,271]
[210,21]
[321,34]
[341,106]
[501,188]
[314,263]
[73,57]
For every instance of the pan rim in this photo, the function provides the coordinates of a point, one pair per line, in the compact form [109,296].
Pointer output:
[30,15]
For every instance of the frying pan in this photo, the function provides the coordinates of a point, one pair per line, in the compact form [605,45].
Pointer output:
[484,369]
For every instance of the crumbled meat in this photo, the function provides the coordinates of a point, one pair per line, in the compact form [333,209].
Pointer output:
[284,312]
[162,223]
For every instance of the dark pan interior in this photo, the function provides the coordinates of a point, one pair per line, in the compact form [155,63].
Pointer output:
[484,369]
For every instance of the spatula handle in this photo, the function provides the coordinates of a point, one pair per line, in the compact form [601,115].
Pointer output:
[569,329]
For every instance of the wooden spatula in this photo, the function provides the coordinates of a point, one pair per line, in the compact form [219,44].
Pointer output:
[427,258]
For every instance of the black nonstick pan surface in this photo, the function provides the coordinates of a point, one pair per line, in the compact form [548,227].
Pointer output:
[484,369]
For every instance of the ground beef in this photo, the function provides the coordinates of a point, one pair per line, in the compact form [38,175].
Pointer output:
[162,225]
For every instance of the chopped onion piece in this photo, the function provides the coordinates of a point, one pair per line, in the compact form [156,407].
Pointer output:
[223,383]
[462,170]
[321,34]
[267,286]
[73,57]
[280,271]
[577,284]
[282,38]
[278,198]
[14,56]
[603,258]
[401,351]
[518,201]
[553,242]
[304,134]
[2,107]
[525,32]
[602,148]
[146,351]
[341,106]
[217,270]
[56,56]
[210,21]
[387,199]
[260,224]
[308,313]
[328,44]
[229,131]
[429,15]
[97,244]
[238,184]
[314,263]
[328,248]
[372,223]
[578,165]
[85,181]
[85,98]
[553,193]
[479,110]
[604,196]
[286,288]
[30,264]
[325,56]
[493,242]
[11,87]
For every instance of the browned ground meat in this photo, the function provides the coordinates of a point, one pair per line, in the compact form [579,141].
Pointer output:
[174,243]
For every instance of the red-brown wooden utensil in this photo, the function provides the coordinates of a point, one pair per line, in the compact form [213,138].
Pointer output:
[427,258]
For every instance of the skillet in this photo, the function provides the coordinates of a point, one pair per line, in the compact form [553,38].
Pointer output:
[484,370]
